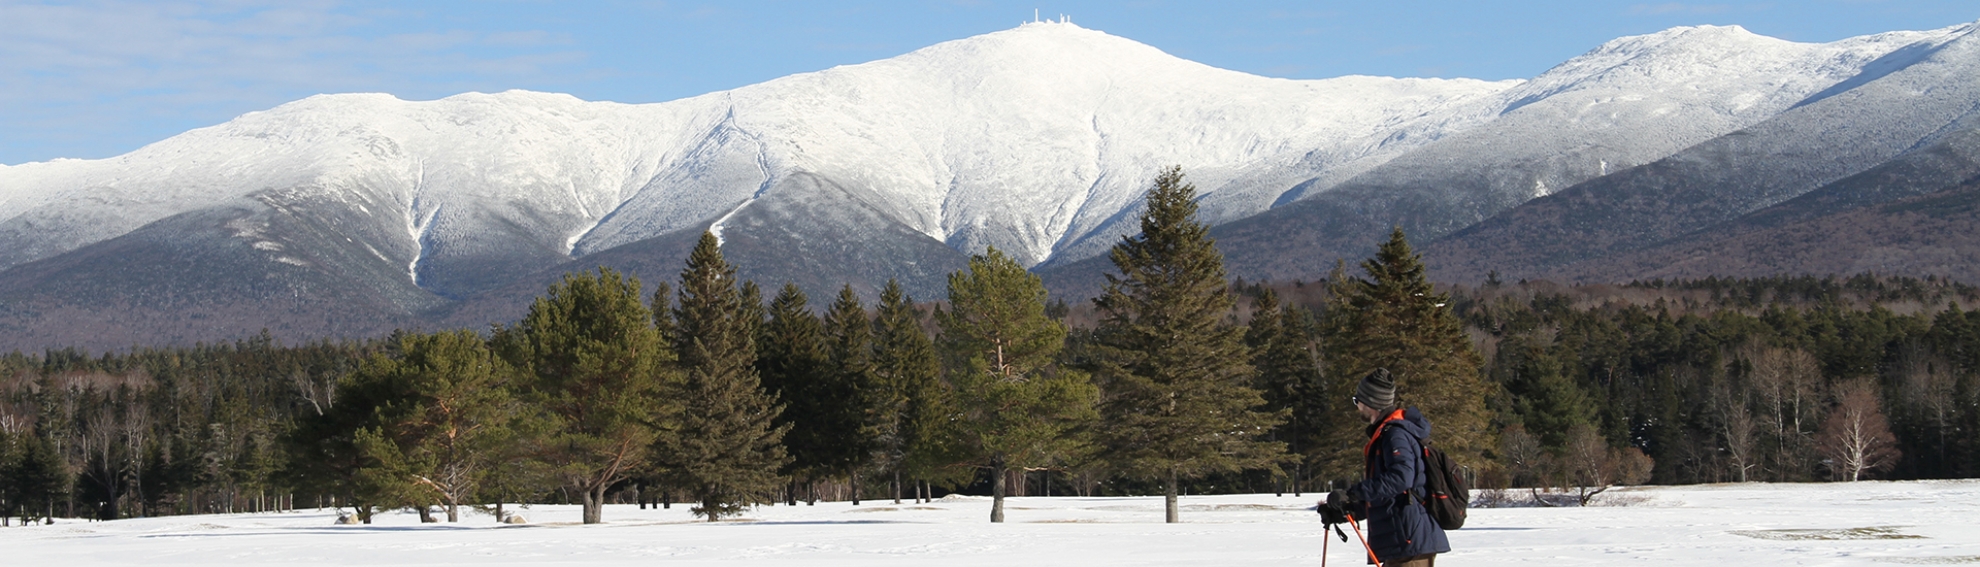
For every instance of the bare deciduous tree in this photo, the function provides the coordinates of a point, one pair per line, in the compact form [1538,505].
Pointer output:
[1525,460]
[1788,382]
[1856,438]
[1735,423]
[1588,462]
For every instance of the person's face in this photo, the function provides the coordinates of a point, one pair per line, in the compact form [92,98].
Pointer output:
[1368,414]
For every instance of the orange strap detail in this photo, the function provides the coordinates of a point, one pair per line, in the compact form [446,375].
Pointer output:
[1393,416]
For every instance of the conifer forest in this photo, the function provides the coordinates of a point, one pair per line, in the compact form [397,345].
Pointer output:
[698,391]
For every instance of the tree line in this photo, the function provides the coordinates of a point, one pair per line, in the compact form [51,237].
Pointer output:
[1781,379]
[1174,381]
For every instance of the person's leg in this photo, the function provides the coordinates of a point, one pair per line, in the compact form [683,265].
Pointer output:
[1425,560]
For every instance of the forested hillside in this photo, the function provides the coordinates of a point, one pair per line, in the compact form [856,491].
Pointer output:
[601,395]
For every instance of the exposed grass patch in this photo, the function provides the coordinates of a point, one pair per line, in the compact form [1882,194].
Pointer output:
[1948,560]
[1876,532]
[1230,507]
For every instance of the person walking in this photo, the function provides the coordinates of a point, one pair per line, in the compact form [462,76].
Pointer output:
[1401,532]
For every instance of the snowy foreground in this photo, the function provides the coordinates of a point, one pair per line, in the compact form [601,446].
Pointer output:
[1748,524]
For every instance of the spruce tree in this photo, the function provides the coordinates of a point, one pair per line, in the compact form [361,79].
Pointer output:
[11,482]
[663,313]
[854,392]
[792,362]
[914,437]
[1016,408]
[1179,400]
[1394,319]
[597,367]
[37,477]
[1288,363]
[752,307]
[1543,398]
[728,448]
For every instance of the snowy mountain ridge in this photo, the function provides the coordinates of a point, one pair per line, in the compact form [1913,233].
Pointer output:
[1038,140]
[1013,139]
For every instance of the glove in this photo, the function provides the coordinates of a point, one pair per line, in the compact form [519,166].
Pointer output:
[1343,499]
[1335,509]
[1331,514]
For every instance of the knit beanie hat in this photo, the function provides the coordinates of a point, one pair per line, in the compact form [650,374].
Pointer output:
[1377,390]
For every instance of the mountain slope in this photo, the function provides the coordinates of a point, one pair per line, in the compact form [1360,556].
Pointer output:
[1632,101]
[370,212]
[1022,139]
[1914,216]
[1826,138]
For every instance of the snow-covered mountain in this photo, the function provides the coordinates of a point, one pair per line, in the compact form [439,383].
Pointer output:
[1022,139]
[1901,127]
[1038,140]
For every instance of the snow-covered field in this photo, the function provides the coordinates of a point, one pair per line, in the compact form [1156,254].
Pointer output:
[1746,524]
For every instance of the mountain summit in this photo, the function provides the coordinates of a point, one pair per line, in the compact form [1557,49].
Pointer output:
[350,214]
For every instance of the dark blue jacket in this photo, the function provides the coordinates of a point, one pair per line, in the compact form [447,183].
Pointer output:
[1398,525]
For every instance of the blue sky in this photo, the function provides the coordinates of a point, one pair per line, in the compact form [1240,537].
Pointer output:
[94,79]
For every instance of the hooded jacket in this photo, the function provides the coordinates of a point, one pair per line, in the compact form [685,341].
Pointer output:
[1398,524]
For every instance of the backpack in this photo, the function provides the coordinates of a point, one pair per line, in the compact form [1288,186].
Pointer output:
[1446,495]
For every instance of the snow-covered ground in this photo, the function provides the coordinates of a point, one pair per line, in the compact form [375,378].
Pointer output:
[1863,523]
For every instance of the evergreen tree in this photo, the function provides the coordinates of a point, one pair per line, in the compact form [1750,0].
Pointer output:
[1544,399]
[40,478]
[323,448]
[451,416]
[1016,408]
[1179,400]
[854,392]
[915,437]
[752,307]
[662,307]
[1395,320]
[792,363]
[1287,359]
[727,449]
[10,497]
[596,365]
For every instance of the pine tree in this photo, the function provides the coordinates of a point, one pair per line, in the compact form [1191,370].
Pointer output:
[727,449]
[1015,407]
[1396,320]
[854,392]
[452,415]
[1288,363]
[915,437]
[1179,400]
[792,363]
[597,366]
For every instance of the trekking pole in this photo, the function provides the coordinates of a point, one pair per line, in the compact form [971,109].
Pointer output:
[1324,542]
[1364,541]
